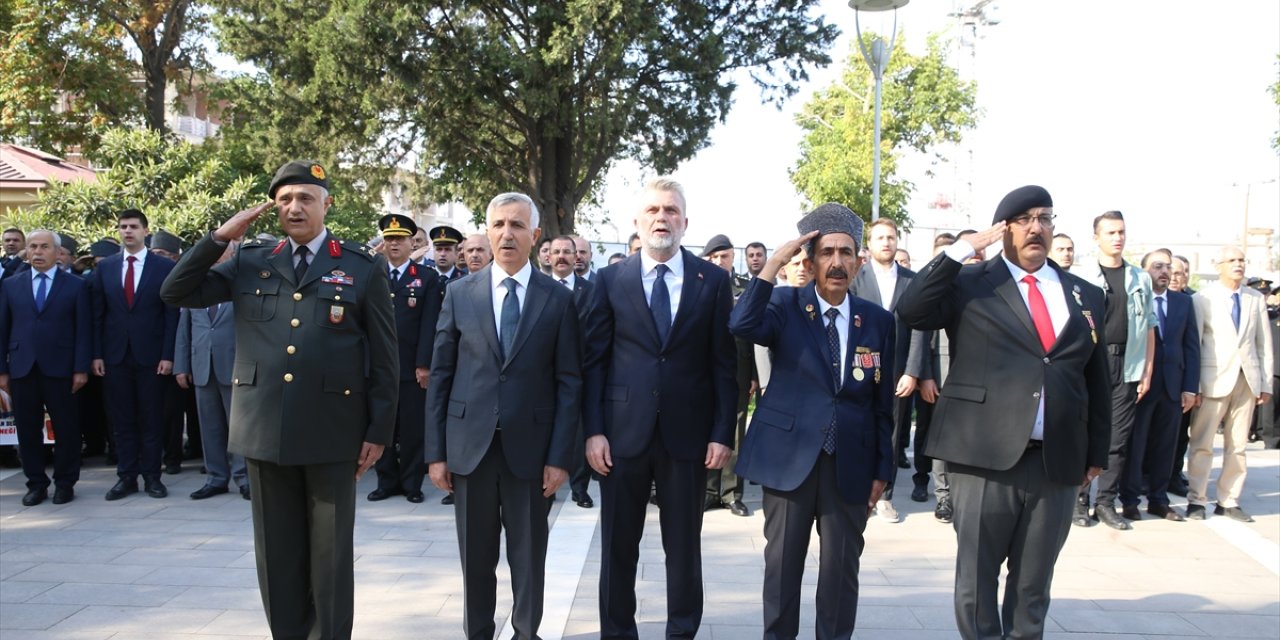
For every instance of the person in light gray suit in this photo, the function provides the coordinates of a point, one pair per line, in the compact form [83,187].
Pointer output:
[204,357]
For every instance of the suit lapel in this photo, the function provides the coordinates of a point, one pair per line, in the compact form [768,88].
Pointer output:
[282,262]
[111,277]
[690,290]
[1002,283]
[535,300]
[629,281]
[54,288]
[865,287]
[146,277]
[481,297]
[809,310]
[899,287]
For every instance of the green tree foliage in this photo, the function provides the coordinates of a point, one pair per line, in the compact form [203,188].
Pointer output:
[69,66]
[502,95]
[925,104]
[184,189]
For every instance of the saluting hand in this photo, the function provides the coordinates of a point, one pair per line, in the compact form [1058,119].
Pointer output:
[239,223]
[783,254]
[983,239]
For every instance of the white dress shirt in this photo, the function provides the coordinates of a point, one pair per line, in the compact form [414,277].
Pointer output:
[496,278]
[137,266]
[674,278]
[842,328]
[567,281]
[313,246]
[887,281]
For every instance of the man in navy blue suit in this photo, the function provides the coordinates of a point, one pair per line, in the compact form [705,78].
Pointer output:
[44,360]
[821,439]
[134,333]
[1175,381]
[660,399]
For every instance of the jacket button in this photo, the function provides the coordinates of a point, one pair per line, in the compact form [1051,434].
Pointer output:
[235,381]
[1046,360]
[295,322]
[297,295]
[502,378]
[257,292]
[337,297]
[662,359]
[288,377]
[346,392]
[393,295]
[495,411]
[290,349]
[1036,395]
[655,393]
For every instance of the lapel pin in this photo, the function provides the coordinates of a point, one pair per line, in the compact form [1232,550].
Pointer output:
[857,321]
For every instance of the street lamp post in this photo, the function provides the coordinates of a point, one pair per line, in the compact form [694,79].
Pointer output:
[877,57]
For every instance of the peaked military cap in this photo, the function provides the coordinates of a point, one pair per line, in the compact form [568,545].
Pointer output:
[444,234]
[394,225]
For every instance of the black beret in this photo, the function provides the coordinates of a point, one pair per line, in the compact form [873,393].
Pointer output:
[103,249]
[1020,201]
[445,235]
[718,242]
[394,225]
[832,218]
[166,241]
[68,243]
[298,172]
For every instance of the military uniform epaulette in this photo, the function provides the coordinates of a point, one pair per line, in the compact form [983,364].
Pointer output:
[741,280]
[252,242]
[361,250]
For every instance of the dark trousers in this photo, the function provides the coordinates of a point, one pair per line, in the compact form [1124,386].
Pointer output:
[135,406]
[1124,405]
[788,519]
[181,414]
[488,501]
[93,418]
[1180,452]
[303,523]
[725,485]
[31,395]
[580,474]
[402,466]
[1016,515]
[901,431]
[923,464]
[624,499]
[1155,434]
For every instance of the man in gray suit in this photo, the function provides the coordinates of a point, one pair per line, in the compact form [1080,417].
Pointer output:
[204,356]
[316,381]
[507,340]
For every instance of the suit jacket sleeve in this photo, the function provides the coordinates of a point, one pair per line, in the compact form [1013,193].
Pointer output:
[182,347]
[384,356]
[568,389]
[1262,345]
[929,370]
[84,330]
[6,327]
[882,408]
[98,314]
[724,367]
[443,364]
[597,348]
[431,299]
[1191,353]
[1200,307]
[917,354]
[1097,378]
[170,332]
[193,283]
[753,318]
[931,301]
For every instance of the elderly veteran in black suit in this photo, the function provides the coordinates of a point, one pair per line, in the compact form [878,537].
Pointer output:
[821,439]
[503,412]
[315,384]
[415,296]
[1025,415]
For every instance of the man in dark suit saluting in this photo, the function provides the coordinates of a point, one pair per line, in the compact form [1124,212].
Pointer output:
[659,407]
[821,440]
[1025,414]
[45,321]
[504,401]
[316,380]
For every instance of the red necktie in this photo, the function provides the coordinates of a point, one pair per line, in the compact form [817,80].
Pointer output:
[128,283]
[1039,313]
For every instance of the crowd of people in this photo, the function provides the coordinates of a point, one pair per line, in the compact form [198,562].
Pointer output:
[1038,391]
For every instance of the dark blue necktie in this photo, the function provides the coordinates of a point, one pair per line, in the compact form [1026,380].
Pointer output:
[1235,310]
[833,343]
[660,304]
[510,316]
[42,291]
[300,269]
[1160,317]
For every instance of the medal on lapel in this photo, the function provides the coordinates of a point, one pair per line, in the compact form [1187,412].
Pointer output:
[1093,331]
[858,374]
[857,321]
[808,308]
[335,314]
[1075,293]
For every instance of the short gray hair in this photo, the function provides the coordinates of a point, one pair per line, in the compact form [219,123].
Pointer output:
[504,199]
[667,183]
[57,239]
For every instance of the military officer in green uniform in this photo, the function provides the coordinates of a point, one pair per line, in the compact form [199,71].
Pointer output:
[315,385]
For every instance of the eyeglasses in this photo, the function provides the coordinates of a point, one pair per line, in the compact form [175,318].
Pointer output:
[1024,220]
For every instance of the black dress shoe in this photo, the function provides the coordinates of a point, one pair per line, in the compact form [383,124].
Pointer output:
[1106,514]
[920,493]
[244,492]
[739,509]
[415,497]
[1080,517]
[173,468]
[1235,513]
[380,494]
[902,460]
[155,488]
[35,497]
[1165,511]
[63,495]
[208,491]
[1178,489]
[123,488]
[447,499]
[582,500]
[711,504]
[1131,512]
[943,512]
[1195,512]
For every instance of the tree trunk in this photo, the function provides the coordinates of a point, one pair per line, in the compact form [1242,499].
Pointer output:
[154,97]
